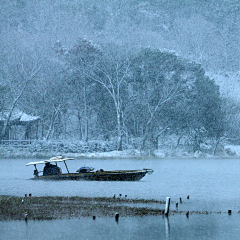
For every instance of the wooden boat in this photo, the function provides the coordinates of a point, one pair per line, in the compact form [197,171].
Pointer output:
[53,172]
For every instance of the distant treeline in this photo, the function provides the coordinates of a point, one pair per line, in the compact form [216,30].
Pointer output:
[115,87]
[101,92]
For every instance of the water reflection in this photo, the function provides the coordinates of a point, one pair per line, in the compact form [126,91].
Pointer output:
[210,226]
[167,227]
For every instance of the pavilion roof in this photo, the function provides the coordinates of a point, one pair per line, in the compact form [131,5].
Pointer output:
[17,116]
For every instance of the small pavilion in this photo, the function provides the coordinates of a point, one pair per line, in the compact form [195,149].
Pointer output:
[21,126]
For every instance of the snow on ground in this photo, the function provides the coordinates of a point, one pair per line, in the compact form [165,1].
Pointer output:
[158,154]
[111,154]
[229,84]
[228,151]
[232,150]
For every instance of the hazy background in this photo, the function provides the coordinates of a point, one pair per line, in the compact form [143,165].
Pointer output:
[34,79]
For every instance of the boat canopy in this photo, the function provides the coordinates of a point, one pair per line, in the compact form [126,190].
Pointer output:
[51,160]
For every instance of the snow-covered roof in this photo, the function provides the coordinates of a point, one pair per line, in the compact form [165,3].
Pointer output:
[26,118]
[17,115]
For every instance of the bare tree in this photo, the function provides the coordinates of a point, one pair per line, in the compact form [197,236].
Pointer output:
[26,76]
[168,93]
[109,68]
[112,75]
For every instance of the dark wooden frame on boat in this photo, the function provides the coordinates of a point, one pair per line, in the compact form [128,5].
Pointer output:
[100,175]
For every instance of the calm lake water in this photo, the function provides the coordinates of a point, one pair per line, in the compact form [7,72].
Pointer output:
[212,184]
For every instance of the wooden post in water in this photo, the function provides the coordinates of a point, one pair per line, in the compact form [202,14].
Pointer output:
[26,217]
[167,206]
[116,216]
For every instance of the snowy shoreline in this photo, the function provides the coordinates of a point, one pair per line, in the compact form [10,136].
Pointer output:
[230,151]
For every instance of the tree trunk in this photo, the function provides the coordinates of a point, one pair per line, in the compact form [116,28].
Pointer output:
[196,144]
[50,127]
[85,114]
[80,125]
[154,141]
[215,148]
[145,139]
[6,123]
[119,131]
[178,141]
[53,120]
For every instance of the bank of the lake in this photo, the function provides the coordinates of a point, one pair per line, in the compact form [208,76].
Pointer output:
[107,149]
[12,152]
[44,208]
[47,208]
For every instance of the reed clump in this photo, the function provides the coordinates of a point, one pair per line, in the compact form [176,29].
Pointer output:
[43,208]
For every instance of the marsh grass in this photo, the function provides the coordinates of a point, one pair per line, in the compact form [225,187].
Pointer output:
[15,208]
[47,208]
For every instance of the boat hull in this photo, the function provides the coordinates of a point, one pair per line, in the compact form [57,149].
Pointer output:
[132,175]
